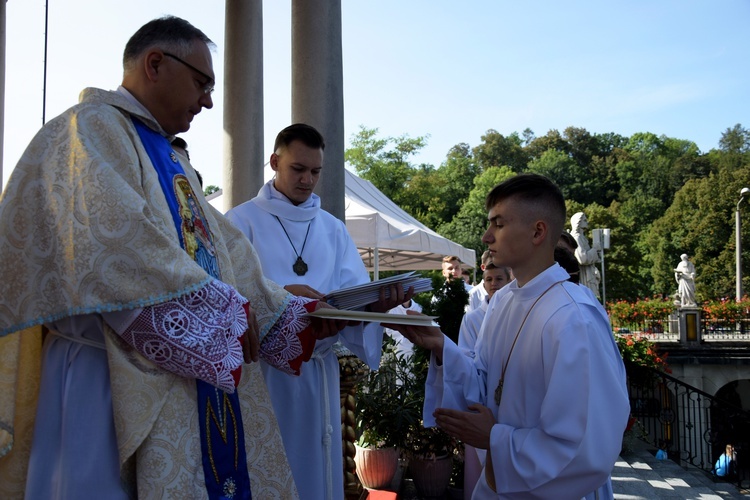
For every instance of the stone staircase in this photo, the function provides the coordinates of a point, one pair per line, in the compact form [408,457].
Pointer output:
[638,475]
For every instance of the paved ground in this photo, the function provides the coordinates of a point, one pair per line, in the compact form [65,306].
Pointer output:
[636,476]
[639,476]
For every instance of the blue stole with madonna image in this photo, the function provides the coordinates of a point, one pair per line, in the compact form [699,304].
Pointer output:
[220,419]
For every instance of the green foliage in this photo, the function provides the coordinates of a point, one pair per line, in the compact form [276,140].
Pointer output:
[210,189]
[640,351]
[497,150]
[448,304]
[389,407]
[386,167]
[726,311]
[660,196]
[421,441]
[735,140]
[560,167]
[386,407]
[469,225]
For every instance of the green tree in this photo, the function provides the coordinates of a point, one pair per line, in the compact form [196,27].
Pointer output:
[735,140]
[496,150]
[384,162]
[210,189]
[552,140]
[561,169]
[700,223]
[456,179]
[469,225]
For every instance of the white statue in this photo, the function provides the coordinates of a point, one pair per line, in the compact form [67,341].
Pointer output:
[587,257]
[684,273]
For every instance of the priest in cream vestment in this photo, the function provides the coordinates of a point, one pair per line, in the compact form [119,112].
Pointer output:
[148,302]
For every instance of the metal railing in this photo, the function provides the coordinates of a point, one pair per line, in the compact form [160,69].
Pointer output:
[654,329]
[717,329]
[667,330]
[692,425]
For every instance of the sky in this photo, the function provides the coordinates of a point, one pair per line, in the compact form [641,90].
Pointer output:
[443,69]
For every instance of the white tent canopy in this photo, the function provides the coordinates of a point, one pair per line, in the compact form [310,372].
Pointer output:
[388,239]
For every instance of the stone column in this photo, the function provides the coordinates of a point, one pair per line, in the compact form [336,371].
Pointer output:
[318,89]
[243,101]
[2,86]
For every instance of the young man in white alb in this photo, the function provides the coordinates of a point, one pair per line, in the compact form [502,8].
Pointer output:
[309,252]
[542,335]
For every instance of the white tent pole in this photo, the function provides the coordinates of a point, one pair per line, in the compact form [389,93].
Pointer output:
[376,266]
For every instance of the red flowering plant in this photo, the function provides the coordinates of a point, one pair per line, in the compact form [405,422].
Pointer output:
[726,312]
[640,351]
[644,315]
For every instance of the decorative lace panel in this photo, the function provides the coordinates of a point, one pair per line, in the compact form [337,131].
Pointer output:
[290,340]
[196,335]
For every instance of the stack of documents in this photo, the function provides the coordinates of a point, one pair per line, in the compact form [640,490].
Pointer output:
[358,296]
[373,317]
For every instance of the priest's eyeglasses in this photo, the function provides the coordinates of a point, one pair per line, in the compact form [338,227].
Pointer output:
[208,86]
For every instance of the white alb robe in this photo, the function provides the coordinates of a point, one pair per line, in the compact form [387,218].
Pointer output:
[404,346]
[470,326]
[549,441]
[308,407]
[477,295]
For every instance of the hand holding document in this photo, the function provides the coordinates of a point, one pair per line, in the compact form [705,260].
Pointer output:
[346,300]
[358,296]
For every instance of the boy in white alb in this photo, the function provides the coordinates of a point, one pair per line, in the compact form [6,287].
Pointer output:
[310,253]
[478,293]
[541,336]
[494,279]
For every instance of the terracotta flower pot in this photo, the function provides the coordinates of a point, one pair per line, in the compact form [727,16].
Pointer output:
[431,476]
[376,466]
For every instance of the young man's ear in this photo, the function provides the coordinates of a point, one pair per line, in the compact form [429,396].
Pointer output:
[540,231]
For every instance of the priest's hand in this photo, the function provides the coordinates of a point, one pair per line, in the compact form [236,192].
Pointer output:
[251,339]
[429,337]
[471,427]
[304,291]
[396,296]
[324,327]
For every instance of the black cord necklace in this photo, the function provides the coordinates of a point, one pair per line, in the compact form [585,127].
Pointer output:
[299,267]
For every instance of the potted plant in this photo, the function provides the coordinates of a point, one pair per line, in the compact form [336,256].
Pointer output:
[435,459]
[389,406]
[429,451]
[385,412]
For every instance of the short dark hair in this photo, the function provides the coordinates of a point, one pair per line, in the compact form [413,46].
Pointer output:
[567,261]
[569,240]
[170,32]
[309,136]
[534,189]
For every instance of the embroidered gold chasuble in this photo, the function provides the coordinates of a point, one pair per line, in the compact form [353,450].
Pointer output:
[85,228]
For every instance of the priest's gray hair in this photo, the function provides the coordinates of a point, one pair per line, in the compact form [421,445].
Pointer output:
[168,33]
